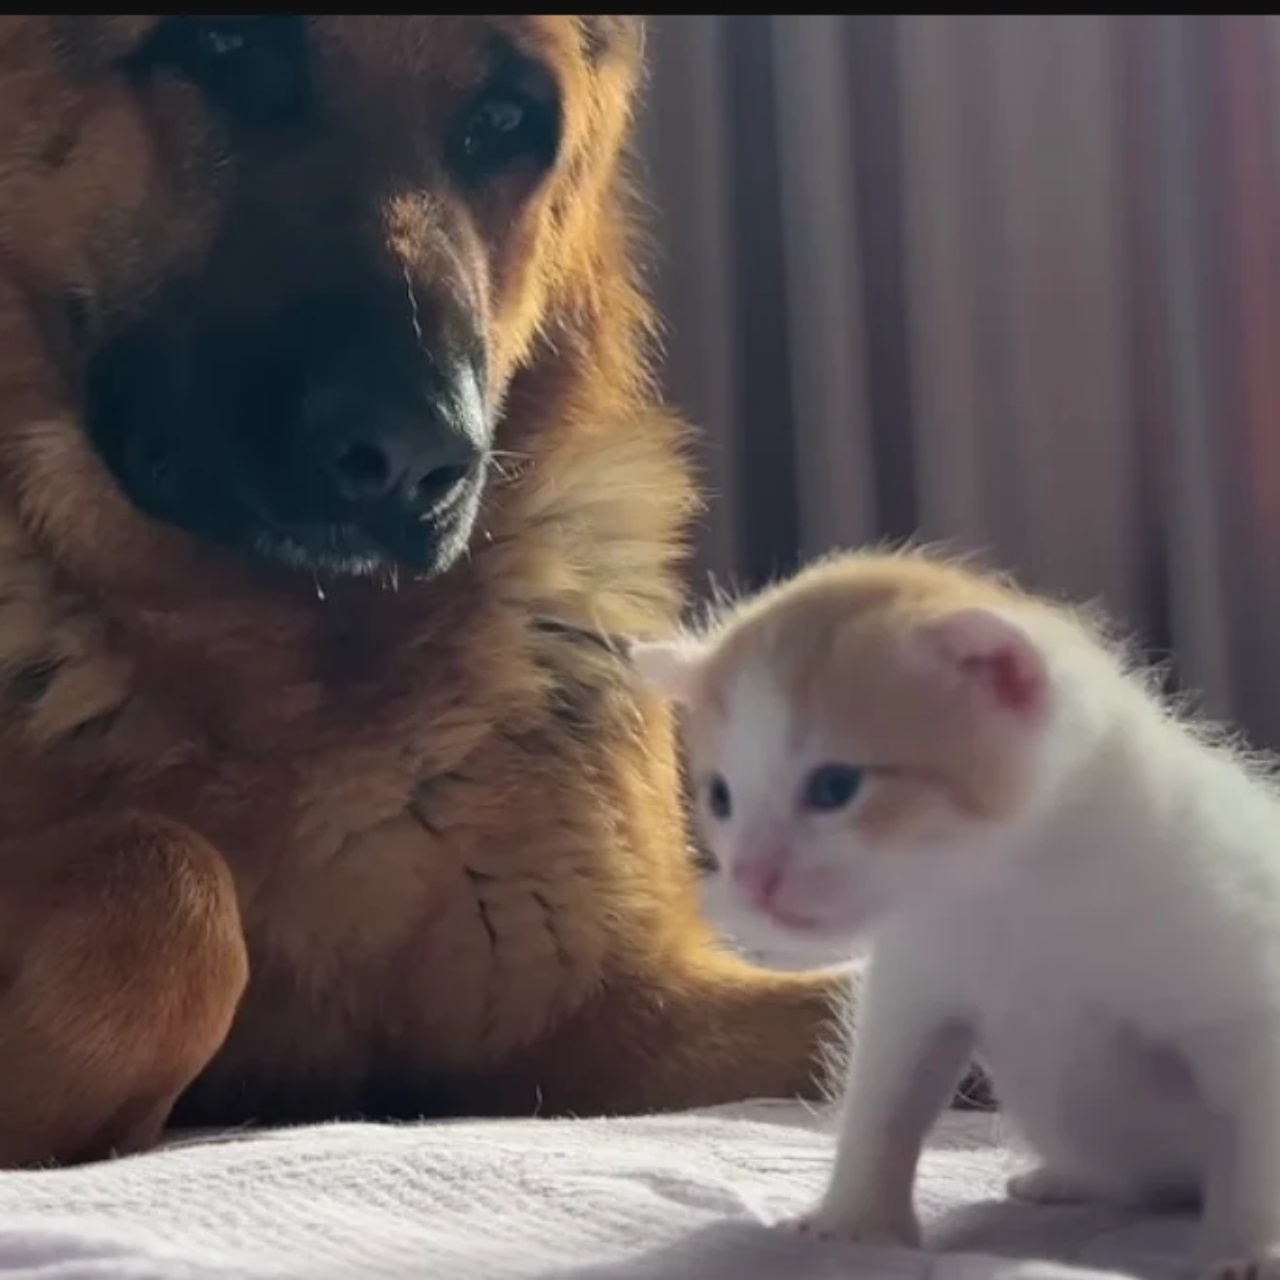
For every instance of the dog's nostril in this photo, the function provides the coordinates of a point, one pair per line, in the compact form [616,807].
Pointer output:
[436,483]
[364,469]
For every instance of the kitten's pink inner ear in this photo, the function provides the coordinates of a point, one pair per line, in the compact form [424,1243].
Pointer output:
[994,653]
[674,667]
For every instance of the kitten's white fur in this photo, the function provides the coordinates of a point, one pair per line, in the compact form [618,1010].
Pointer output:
[1111,953]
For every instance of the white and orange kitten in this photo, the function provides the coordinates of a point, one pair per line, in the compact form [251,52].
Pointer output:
[1053,870]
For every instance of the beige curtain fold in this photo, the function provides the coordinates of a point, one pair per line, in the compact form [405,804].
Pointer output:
[1007,282]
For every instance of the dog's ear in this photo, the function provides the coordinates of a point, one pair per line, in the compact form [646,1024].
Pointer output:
[604,34]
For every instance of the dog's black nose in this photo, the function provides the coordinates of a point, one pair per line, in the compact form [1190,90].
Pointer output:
[406,457]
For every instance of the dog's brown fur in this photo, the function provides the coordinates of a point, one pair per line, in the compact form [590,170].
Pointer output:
[447,830]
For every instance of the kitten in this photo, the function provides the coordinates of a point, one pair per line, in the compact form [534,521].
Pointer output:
[1051,868]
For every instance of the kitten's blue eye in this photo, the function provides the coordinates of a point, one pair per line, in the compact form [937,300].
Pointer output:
[719,801]
[830,787]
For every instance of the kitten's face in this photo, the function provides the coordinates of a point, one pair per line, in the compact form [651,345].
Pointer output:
[818,831]
[860,775]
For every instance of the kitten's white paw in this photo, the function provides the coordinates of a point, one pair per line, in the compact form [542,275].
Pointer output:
[1045,1185]
[850,1226]
[1263,1265]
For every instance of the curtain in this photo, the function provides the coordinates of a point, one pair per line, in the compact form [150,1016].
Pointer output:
[1010,283]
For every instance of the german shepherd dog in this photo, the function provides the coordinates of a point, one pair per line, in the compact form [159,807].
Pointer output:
[329,463]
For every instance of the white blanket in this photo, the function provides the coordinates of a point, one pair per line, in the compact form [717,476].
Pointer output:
[683,1197]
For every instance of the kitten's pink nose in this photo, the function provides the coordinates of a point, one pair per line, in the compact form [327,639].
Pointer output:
[759,878]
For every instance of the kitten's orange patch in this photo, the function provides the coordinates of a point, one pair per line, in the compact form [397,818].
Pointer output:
[849,644]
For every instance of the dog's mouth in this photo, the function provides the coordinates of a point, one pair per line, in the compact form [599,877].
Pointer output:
[240,519]
[424,549]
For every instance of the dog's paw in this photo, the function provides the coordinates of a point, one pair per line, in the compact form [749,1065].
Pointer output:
[1045,1185]
[827,1222]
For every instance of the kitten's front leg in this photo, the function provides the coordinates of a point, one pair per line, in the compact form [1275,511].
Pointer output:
[1239,1076]
[908,1055]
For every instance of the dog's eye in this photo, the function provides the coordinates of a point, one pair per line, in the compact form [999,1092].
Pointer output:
[253,67]
[219,43]
[514,121]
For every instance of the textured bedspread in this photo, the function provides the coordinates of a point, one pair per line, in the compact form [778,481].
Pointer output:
[676,1196]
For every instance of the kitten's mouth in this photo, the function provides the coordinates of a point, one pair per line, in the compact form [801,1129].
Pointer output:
[799,921]
[790,924]
[831,922]
[796,908]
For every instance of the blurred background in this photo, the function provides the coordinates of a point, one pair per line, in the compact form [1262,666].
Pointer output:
[1011,282]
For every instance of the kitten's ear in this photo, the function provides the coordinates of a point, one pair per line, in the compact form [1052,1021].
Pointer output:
[991,652]
[674,667]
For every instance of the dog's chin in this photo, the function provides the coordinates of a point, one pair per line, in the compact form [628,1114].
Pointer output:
[335,551]
[350,551]
[248,528]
